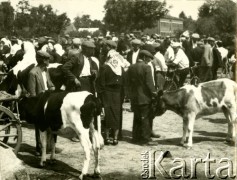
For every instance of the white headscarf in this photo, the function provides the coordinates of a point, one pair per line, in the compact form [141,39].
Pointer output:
[116,61]
[28,58]
[59,49]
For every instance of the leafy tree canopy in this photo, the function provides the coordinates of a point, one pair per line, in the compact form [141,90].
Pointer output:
[129,15]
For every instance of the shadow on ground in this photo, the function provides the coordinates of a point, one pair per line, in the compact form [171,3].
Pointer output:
[215,120]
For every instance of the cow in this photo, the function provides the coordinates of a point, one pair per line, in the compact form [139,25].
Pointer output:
[192,102]
[54,111]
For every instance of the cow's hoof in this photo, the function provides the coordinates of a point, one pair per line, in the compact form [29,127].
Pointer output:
[187,146]
[96,175]
[42,164]
[52,161]
[81,177]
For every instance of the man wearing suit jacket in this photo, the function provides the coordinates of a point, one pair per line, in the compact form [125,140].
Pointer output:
[132,55]
[206,62]
[141,93]
[39,81]
[81,70]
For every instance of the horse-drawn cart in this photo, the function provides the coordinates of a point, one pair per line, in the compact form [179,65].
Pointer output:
[10,124]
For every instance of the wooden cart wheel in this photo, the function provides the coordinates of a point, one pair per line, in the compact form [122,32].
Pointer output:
[10,130]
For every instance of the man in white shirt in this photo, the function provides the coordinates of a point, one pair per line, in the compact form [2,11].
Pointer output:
[81,70]
[133,54]
[169,53]
[160,66]
[181,60]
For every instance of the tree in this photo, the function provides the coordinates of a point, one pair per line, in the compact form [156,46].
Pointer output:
[124,15]
[6,17]
[38,20]
[86,22]
[188,22]
[221,12]
[182,15]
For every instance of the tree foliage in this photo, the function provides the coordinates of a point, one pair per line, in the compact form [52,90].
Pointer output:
[85,22]
[188,22]
[6,18]
[219,16]
[29,21]
[129,15]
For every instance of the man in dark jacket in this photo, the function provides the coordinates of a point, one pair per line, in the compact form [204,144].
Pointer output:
[133,54]
[142,91]
[80,71]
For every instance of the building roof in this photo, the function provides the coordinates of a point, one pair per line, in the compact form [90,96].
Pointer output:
[172,17]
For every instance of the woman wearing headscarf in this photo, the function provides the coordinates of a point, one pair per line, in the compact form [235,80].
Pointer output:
[110,85]
[29,58]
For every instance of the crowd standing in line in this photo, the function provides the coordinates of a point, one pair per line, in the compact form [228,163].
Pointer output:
[117,68]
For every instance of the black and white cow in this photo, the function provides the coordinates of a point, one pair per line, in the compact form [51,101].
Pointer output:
[192,102]
[53,111]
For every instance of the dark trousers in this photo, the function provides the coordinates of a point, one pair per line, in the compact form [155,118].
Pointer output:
[160,79]
[183,73]
[142,123]
[205,73]
[214,72]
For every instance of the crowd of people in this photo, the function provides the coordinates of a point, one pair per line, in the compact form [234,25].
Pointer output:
[115,68]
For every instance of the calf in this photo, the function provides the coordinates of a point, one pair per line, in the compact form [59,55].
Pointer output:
[192,102]
[55,111]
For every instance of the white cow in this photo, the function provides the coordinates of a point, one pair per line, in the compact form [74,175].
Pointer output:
[192,102]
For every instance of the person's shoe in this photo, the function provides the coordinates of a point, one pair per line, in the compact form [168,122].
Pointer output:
[108,142]
[75,139]
[154,135]
[115,142]
[58,150]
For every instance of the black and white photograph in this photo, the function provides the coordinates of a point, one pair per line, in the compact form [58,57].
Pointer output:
[118,89]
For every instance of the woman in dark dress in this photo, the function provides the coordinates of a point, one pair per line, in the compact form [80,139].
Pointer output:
[111,84]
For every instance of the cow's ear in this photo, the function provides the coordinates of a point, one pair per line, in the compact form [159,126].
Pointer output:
[98,106]
[88,107]
[160,93]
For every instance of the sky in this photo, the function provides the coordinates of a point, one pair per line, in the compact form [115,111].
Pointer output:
[95,8]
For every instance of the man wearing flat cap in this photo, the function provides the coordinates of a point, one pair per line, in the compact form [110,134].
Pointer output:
[207,61]
[133,54]
[80,71]
[39,81]
[76,48]
[141,92]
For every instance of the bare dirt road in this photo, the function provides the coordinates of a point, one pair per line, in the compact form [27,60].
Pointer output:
[123,162]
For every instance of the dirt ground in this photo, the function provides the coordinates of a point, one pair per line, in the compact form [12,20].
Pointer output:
[123,162]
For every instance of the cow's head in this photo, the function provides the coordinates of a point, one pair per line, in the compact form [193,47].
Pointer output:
[160,106]
[92,107]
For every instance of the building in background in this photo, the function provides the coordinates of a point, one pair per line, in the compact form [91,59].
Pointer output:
[166,26]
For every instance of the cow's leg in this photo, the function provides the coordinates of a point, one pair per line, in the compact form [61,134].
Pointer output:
[185,129]
[97,157]
[230,115]
[96,147]
[191,119]
[53,145]
[227,116]
[43,139]
[86,145]
[232,125]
